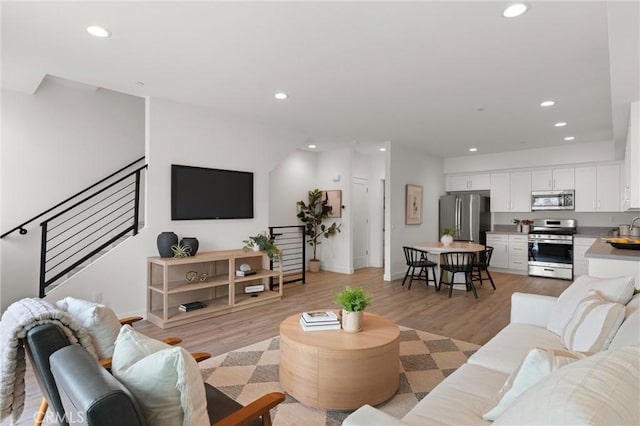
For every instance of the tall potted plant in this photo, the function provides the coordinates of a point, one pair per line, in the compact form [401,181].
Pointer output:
[313,214]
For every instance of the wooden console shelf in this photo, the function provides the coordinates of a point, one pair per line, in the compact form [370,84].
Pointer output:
[214,283]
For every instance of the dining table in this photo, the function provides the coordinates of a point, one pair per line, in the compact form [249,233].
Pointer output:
[435,249]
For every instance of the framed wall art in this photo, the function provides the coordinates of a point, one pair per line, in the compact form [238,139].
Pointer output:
[334,199]
[413,209]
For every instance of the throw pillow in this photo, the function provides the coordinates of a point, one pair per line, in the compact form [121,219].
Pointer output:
[593,324]
[101,322]
[538,364]
[165,380]
[602,389]
[627,334]
[617,290]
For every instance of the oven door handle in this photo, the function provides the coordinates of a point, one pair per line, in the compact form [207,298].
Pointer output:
[559,242]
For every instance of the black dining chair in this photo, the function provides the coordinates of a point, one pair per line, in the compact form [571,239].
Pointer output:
[483,260]
[417,259]
[457,262]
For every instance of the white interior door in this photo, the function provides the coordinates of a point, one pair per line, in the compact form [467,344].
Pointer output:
[360,197]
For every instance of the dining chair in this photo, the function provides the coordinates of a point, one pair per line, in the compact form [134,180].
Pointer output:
[457,262]
[417,259]
[483,260]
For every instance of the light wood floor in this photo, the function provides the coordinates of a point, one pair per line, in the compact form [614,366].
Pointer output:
[461,317]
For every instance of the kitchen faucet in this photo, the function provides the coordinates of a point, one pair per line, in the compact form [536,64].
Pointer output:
[633,221]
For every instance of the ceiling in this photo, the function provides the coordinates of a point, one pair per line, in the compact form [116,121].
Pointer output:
[442,76]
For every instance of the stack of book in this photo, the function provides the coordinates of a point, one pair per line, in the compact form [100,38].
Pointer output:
[319,320]
[241,273]
[191,306]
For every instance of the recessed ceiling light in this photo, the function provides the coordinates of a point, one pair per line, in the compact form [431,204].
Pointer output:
[570,138]
[98,31]
[514,10]
[383,149]
[140,83]
[473,149]
[547,103]
[311,146]
[560,124]
[281,95]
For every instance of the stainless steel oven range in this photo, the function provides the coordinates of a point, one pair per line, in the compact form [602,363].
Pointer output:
[551,248]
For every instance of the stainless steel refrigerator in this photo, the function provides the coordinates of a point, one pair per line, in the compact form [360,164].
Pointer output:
[469,213]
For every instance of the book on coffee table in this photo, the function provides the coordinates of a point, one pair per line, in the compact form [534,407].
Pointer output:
[319,326]
[319,316]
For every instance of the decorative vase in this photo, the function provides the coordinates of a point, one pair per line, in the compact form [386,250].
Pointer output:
[446,239]
[164,241]
[191,243]
[525,229]
[519,227]
[314,265]
[352,321]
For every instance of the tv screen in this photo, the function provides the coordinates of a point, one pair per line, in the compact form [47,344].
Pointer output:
[200,193]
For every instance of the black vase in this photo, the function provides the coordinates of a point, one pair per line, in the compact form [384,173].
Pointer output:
[192,243]
[165,241]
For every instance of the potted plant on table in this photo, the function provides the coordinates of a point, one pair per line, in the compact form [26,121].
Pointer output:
[352,300]
[447,235]
[312,214]
[264,243]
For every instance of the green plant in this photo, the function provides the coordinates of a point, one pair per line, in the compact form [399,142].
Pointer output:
[448,231]
[352,299]
[312,214]
[516,221]
[264,243]
[180,251]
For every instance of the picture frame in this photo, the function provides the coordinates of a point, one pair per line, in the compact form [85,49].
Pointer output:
[334,199]
[413,206]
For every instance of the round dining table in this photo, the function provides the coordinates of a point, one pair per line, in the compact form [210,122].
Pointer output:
[435,249]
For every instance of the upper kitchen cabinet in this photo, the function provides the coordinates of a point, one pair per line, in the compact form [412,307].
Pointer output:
[552,179]
[511,192]
[597,188]
[632,160]
[468,182]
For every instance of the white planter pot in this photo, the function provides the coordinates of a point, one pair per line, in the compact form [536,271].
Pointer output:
[352,321]
[525,229]
[446,239]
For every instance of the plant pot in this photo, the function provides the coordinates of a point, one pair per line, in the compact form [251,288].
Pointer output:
[164,241]
[314,265]
[446,239]
[192,243]
[525,229]
[352,321]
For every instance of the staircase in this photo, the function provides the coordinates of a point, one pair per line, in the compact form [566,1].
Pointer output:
[84,227]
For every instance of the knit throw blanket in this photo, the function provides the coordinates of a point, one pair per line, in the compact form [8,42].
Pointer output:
[16,321]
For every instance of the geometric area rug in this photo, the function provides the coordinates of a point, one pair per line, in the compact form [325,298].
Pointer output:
[248,373]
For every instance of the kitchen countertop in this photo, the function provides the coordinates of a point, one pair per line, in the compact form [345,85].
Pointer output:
[581,231]
[602,250]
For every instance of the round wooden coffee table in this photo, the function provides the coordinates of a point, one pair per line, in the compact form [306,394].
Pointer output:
[336,370]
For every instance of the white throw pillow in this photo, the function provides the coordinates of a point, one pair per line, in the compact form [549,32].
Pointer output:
[100,321]
[628,334]
[619,290]
[538,364]
[165,380]
[593,324]
[603,389]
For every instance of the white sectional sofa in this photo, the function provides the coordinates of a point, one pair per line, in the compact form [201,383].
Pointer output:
[600,388]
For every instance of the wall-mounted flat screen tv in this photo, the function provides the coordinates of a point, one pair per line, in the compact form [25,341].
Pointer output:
[201,193]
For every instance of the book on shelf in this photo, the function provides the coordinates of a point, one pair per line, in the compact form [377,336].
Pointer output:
[191,306]
[240,273]
[319,316]
[318,327]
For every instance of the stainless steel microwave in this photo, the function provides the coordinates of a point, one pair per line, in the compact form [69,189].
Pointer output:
[552,200]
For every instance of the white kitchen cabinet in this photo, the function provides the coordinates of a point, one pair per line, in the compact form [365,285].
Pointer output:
[598,188]
[518,252]
[580,263]
[469,182]
[552,179]
[632,160]
[500,244]
[511,192]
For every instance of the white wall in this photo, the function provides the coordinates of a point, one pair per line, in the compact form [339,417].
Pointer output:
[568,154]
[55,143]
[290,182]
[409,166]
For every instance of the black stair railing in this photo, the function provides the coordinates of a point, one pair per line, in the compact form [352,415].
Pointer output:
[290,239]
[85,228]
